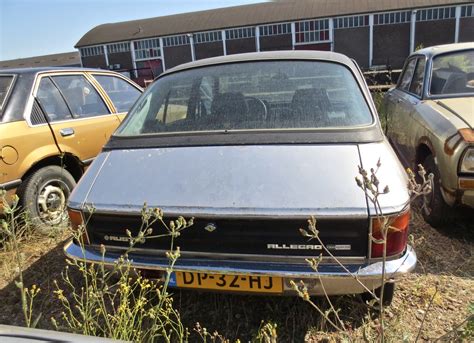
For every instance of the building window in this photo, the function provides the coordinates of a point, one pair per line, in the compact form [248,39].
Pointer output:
[118,47]
[312,31]
[207,37]
[392,18]
[349,22]
[176,40]
[92,51]
[243,32]
[436,13]
[467,11]
[277,29]
[147,49]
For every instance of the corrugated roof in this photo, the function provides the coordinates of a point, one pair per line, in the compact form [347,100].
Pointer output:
[261,13]
[54,60]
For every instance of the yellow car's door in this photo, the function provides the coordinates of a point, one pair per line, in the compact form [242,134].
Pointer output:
[79,117]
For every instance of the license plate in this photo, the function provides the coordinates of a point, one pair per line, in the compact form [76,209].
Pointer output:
[236,283]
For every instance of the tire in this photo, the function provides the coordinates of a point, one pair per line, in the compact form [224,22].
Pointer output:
[43,196]
[434,209]
[388,293]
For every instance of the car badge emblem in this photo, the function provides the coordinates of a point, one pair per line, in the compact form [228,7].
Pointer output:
[210,227]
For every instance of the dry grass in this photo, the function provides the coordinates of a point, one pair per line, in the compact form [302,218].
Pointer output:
[446,262]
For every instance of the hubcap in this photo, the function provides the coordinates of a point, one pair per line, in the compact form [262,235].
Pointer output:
[51,203]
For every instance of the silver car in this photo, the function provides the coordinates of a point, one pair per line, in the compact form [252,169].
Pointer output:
[430,121]
[251,146]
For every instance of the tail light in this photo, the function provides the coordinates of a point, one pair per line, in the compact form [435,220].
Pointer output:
[77,223]
[397,234]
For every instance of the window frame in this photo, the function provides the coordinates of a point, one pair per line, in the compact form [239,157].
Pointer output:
[429,77]
[92,81]
[419,96]
[4,103]
[408,61]
[356,74]
[76,116]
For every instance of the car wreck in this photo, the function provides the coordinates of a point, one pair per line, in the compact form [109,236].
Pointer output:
[250,146]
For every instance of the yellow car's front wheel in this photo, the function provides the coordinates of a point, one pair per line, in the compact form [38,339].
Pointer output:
[43,196]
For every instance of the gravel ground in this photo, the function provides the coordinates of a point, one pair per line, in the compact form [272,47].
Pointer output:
[444,278]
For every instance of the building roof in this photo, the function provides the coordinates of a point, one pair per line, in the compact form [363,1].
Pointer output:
[55,60]
[238,16]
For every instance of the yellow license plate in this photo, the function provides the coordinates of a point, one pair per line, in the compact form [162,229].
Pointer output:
[236,283]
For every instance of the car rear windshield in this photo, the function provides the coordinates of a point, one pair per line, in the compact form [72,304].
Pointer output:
[6,82]
[453,73]
[250,96]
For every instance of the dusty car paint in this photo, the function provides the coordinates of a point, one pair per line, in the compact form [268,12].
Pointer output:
[26,146]
[250,192]
[418,125]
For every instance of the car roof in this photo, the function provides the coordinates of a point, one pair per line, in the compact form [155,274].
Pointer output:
[32,71]
[441,49]
[267,55]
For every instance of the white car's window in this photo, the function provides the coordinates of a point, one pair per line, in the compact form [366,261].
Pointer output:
[81,96]
[453,73]
[251,95]
[407,75]
[416,86]
[122,93]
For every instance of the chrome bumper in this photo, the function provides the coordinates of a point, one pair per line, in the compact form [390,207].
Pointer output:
[335,280]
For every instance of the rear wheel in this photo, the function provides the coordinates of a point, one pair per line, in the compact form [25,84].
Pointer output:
[43,195]
[434,209]
[388,292]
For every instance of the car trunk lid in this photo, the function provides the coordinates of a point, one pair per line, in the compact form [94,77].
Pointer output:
[245,199]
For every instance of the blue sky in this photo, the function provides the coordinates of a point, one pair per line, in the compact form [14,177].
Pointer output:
[40,27]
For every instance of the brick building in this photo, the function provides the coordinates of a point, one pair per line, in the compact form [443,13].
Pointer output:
[374,33]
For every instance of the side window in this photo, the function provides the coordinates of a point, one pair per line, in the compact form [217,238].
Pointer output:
[122,93]
[81,96]
[416,86]
[52,101]
[407,75]
[175,107]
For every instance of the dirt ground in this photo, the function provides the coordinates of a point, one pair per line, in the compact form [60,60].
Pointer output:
[444,277]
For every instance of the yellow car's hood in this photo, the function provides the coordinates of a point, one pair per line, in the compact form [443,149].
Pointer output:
[460,107]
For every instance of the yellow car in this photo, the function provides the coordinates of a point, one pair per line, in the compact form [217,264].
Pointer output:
[53,122]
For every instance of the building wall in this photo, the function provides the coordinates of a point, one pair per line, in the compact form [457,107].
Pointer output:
[277,42]
[391,44]
[205,50]
[353,42]
[435,32]
[466,30]
[175,55]
[314,46]
[122,58]
[94,62]
[237,46]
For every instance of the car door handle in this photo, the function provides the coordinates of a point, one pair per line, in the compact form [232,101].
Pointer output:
[69,131]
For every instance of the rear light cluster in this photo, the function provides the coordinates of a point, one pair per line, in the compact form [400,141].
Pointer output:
[397,234]
[75,217]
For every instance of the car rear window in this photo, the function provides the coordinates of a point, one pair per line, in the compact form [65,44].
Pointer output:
[6,82]
[250,96]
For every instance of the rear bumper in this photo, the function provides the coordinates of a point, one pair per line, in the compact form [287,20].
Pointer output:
[335,280]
